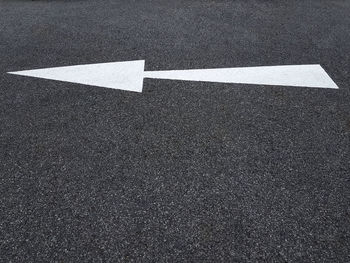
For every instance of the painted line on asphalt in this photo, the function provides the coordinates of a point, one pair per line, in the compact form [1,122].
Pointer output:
[129,75]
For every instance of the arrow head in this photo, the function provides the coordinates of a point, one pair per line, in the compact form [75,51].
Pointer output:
[126,75]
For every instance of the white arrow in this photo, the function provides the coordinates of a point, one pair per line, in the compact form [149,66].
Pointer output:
[129,75]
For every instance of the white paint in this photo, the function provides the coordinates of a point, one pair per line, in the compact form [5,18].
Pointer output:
[295,75]
[129,75]
[116,75]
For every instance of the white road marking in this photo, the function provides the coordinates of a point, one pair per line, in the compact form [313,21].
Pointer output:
[129,75]
[116,75]
[295,75]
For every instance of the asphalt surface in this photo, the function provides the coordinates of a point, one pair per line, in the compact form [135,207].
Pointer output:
[185,171]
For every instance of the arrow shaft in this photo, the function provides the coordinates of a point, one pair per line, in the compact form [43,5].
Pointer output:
[294,75]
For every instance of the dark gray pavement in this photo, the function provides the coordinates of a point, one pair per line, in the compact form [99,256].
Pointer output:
[185,171]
